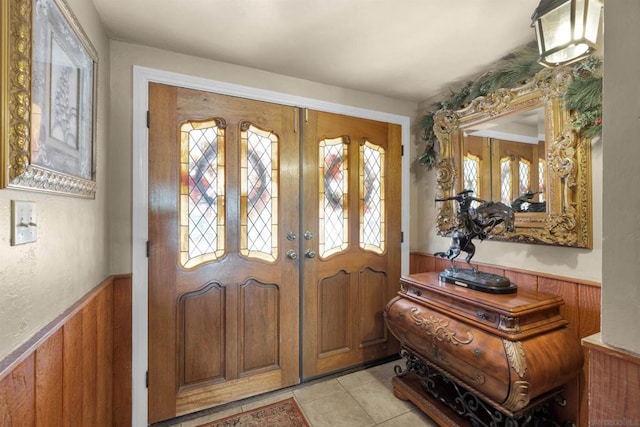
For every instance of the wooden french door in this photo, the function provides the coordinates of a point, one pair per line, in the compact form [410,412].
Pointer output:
[351,239]
[223,294]
[236,219]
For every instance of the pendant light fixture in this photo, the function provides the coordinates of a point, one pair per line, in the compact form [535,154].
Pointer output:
[567,30]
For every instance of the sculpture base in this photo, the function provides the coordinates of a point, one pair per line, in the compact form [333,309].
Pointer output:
[478,280]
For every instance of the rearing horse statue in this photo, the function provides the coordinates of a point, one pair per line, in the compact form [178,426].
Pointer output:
[475,222]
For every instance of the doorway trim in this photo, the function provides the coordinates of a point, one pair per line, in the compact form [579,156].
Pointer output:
[142,76]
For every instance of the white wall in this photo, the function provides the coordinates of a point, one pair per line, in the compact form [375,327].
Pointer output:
[38,281]
[125,55]
[621,203]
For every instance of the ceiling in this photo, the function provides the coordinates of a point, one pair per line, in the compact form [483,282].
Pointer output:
[404,49]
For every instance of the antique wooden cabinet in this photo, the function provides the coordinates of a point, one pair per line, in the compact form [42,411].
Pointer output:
[475,358]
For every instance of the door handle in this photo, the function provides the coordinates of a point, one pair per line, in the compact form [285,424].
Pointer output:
[292,254]
[309,253]
[308,235]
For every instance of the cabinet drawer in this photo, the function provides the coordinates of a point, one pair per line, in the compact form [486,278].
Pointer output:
[470,354]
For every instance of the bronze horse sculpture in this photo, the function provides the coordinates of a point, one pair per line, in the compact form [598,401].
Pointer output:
[474,223]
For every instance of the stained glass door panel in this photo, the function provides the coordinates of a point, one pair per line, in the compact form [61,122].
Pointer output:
[333,215]
[202,191]
[372,197]
[259,193]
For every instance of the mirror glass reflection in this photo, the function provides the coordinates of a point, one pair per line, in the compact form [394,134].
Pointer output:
[504,159]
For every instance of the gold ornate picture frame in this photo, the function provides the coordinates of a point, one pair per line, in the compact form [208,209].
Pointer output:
[567,220]
[48,84]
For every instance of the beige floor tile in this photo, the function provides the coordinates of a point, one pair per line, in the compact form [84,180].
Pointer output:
[317,390]
[359,378]
[387,370]
[272,398]
[412,419]
[336,410]
[379,402]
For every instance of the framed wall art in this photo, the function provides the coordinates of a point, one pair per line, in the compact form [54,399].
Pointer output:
[48,82]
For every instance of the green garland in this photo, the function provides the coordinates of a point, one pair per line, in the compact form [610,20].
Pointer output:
[583,96]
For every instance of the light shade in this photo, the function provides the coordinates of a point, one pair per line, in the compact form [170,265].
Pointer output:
[567,30]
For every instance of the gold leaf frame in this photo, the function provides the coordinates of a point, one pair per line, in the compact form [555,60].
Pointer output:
[567,221]
[16,49]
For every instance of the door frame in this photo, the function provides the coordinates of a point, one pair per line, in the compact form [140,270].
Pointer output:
[142,76]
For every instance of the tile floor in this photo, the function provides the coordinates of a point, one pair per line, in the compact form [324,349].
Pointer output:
[359,399]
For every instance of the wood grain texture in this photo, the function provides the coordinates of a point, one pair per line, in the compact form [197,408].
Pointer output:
[614,384]
[64,374]
[89,363]
[581,308]
[48,369]
[104,356]
[257,329]
[18,395]
[122,351]
[72,375]
[341,317]
[510,367]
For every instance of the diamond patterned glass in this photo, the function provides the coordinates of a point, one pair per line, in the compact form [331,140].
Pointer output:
[201,192]
[259,197]
[472,174]
[541,168]
[525,176]
[333,213]
[372,220]
[505,180]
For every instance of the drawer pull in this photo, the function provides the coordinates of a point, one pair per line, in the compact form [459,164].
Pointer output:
[482,314]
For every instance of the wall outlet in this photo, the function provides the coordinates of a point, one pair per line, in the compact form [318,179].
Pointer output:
[24,228]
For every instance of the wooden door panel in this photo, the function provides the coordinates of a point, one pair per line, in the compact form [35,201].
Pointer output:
[345,289]
[259,327]
[162,339]
[334,328]
[372,294]
[203,344]
[223,317]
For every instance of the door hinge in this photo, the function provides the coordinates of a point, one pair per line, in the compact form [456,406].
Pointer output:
[146,379]
[148,248]
[148,119]
[402,237]
[401,150]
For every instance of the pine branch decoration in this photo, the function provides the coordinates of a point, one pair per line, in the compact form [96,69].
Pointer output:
[583,95]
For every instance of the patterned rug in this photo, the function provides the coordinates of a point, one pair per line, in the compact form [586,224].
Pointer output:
[285,413]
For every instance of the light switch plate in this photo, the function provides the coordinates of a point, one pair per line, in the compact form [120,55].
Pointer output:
[24,228]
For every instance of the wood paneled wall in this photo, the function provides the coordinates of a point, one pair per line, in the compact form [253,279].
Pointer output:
[581,309]
[77,370]
[614,384]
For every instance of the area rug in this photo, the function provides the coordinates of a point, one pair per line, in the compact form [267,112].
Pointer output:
[285,413]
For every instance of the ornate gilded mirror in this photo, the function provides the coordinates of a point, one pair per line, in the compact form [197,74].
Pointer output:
[518,146]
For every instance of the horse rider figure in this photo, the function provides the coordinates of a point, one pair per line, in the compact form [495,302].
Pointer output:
[467,215]
[474,222]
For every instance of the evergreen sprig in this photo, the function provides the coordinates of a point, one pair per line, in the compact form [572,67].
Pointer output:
[583,96]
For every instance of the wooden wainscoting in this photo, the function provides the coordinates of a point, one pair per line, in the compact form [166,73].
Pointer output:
[581,309]
[77,370]
[614,382]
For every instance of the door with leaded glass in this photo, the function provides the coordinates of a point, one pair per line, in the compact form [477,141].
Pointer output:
[351,239]
[223,293]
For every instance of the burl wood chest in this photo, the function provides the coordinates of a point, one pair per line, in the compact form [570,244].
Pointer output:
[475,358]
